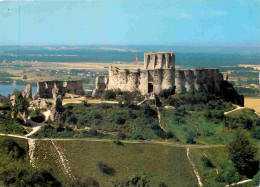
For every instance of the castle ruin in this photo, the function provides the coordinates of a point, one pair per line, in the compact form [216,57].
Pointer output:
[159,73]
[44,88]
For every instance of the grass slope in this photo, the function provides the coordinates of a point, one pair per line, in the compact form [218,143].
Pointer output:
[159,163]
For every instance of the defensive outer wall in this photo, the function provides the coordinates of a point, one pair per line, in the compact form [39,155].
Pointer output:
[44,89]
[159,73]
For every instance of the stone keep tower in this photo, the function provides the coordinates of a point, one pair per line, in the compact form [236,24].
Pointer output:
[159,72]
[159,60]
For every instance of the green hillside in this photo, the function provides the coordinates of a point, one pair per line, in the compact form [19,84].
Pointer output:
[161,164]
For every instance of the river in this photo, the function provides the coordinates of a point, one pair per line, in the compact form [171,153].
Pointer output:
[9,89]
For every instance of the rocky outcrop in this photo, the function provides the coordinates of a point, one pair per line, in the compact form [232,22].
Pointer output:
[57,107]
[229,93]
[27,93]
[12,100]
[40,103]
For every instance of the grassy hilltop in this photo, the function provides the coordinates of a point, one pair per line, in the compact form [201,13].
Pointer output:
[126,144]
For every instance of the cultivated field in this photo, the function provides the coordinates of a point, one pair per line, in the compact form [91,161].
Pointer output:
[253,102]
[249,65]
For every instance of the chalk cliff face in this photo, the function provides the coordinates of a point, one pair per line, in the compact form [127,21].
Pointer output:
[57,107]
[44,89]
[27,93]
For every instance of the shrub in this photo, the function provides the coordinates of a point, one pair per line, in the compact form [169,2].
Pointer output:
[242,153]
[256,180]
[72,119]
[29,178]
[256,132]
[118,142]
[149,111]
[190,138]
[10,147]
[21,103]
[109,95]
[207,162]
[167,92]
[93,132]
[137,180]
[120,120]
[121,136]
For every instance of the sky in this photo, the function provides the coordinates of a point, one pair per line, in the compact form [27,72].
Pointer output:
[130,22]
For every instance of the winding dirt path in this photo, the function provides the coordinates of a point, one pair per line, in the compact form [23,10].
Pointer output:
[159,119]
[31,143]
[64,162]
[194,167]
[240,182]
[238,108]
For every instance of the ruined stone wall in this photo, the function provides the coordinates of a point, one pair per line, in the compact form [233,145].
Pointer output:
[123,79]
[101,86]
[159,60]
[198,79]
[133,81]
[44,89]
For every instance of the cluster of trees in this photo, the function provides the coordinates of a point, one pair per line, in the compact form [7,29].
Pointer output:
[190,99]
[8,124]
[130,121]
[243,155]
[5,77]
[136,180]
[123,97]
[14,170]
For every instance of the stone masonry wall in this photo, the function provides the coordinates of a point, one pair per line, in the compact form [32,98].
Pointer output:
[198,79]
[44,89]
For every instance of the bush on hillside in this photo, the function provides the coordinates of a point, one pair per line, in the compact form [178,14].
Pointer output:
[9,146]
[21,103]
[10,125]
[190,138]
[207,162]
[167,92]
[26,177]
[136,180]
[256,180]
[109,95]
[243,153]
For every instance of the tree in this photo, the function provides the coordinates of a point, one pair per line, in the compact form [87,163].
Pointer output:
[242,153]
[21,103]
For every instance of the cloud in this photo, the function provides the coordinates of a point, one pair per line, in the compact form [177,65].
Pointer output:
[219,13]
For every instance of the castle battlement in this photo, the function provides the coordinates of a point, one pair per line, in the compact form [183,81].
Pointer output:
[159,73]
[159,60]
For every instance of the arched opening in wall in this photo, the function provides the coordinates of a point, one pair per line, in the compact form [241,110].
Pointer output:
[150,87]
